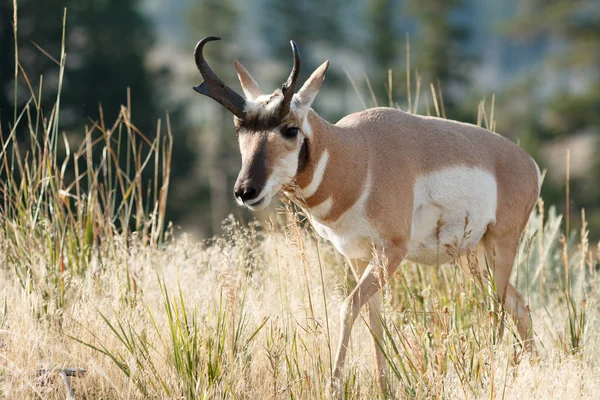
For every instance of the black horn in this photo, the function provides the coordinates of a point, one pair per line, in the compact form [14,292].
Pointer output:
[213,86]
[288,87]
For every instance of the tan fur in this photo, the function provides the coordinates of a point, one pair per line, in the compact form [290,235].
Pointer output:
[376,161]
[398,148]
[336,176]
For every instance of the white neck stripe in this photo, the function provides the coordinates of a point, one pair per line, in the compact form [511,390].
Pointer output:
[317,178]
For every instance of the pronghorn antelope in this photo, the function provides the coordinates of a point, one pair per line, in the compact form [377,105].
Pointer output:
[381,179]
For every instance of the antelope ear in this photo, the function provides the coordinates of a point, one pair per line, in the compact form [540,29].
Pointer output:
[306,95]
[249,85]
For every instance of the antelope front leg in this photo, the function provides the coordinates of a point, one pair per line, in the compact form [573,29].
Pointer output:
[371,281]
[375,324]
[374,310]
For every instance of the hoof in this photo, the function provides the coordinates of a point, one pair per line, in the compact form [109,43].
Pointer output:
[334,389]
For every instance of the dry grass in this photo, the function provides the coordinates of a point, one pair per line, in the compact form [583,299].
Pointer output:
[246,316]
[87,280]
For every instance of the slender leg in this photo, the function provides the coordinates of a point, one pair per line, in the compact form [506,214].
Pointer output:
[371,281]
[515,304]
[503,252]
[374,311]
[377,331]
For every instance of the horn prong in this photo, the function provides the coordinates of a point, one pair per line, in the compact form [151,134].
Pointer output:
[213,86]
[288,87]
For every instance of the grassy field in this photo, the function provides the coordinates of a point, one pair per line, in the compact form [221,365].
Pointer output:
[253,314]
[92,278]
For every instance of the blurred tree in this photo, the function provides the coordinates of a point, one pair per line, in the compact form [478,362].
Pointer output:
[101,65]
[384,47]
[217,142]
[571,33]
[311,25]
[383,38]
[283,21]
[567,85]
[7,67]
[107,43]
[441,50]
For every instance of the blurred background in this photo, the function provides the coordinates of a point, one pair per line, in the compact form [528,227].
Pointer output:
[540,59]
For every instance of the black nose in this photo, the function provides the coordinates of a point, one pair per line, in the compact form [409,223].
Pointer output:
[245,192]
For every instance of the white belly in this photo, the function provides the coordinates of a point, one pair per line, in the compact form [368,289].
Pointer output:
[452,210]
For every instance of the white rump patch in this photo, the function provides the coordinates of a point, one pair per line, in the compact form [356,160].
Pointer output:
[446,198]
[317,178]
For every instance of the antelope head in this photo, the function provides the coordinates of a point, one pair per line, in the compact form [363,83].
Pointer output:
[272,131]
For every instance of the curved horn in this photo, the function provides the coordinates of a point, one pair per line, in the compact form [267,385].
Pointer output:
[288,87]
[213,86]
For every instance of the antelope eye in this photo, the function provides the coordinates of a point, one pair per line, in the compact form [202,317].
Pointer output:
[290,133]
